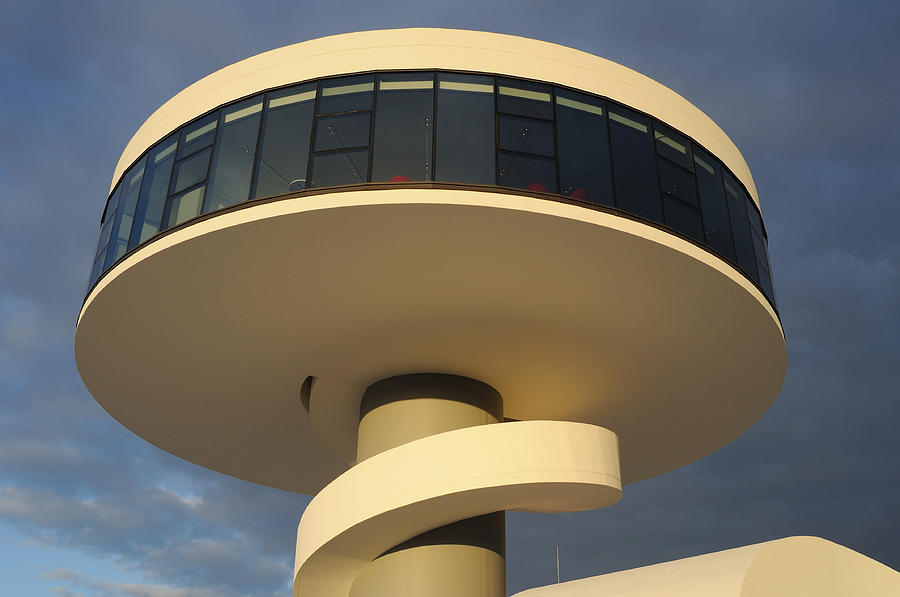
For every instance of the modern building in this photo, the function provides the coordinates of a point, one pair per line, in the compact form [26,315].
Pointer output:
[429,276]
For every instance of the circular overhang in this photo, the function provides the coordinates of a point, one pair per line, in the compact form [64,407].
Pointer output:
[200,340]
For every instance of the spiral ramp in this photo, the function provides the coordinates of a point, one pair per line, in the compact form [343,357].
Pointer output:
[541,466]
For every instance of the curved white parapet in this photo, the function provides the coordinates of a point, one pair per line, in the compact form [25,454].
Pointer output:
[445,49]
[790,567]
[544,466]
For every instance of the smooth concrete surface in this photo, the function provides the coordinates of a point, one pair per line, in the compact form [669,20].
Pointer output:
[404,408]
[570,313]
[791,567]
[395,424]
[413,574]
[467,557]
[448,49]
[545,466]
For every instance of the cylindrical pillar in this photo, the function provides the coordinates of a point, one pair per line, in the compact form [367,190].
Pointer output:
[467,557]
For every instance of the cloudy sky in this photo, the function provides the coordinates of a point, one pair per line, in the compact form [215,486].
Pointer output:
[807,90]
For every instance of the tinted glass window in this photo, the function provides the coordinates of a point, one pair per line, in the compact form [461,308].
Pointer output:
[148,216]
[111,204]
[584,168]
[232,167]
[190,171]
[465,129]
[760,249]
[342,131]
[684,218]
[716,223]
[131,189]
[96,270]
[634,164]
[449,127]
[673,146]
[526,135]
[740,227]
[131,192]
[524,98]
[753,215]
[284,148]
[677,182]
[759,242]
[198,135]
[765,280]
[527,172]
[404,127]
[105,232]
[339,168]
[680,203]
[346,94]
[113,251]
[107,228]
[185,206]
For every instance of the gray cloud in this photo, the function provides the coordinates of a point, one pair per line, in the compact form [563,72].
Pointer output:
[163,537]
[99,588]
[71,477]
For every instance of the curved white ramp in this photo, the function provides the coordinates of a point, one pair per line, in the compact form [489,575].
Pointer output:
[544,466]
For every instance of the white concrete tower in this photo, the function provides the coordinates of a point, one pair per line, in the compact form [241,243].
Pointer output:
[429,276]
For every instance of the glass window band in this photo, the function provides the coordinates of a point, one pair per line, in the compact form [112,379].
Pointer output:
[584,147]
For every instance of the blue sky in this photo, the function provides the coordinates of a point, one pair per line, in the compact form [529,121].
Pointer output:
[807,90]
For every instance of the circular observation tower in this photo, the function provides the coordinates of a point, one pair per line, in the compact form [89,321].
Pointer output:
[430,275]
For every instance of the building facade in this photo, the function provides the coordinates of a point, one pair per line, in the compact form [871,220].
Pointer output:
[429,276]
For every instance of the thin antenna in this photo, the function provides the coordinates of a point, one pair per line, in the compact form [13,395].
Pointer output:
[557,564]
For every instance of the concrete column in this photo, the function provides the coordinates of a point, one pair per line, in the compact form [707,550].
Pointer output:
[467,557]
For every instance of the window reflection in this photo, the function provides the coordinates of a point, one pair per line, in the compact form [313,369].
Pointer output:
[96,270]
[189,173]
[634,164]
[198,135]
[760,249]
[526,135]
[716,223]
[673,146]
[584,167]
[148,217]
[110,208]
[524,98]
[527,172]
[105,232]
[404,128]
[339,168]
[346,94]
[107,227]
[342,131]
[740,227]
[681,205]
[465,129]
[190,170]
[121,230]
[185,206]
[232,166]
[284,148]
